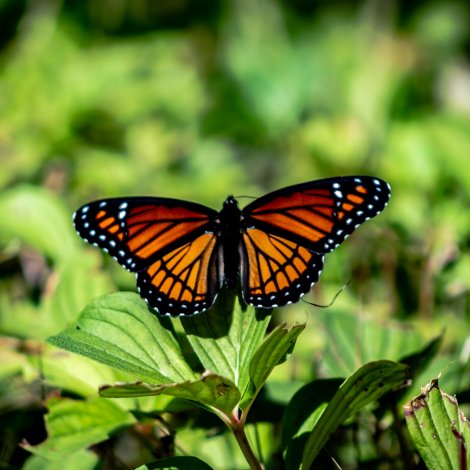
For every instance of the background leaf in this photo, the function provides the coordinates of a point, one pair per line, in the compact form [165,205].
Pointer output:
[302,413]
[363,387]
[176,463]
[39,219]
[73,425]
[352,340]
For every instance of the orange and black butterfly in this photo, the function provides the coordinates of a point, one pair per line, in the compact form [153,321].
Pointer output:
[183,252]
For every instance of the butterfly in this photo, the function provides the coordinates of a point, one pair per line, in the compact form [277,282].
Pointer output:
[183,252]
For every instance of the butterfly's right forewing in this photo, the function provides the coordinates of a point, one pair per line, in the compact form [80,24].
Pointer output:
[276,271]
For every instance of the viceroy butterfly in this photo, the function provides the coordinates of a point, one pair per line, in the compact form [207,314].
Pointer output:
[184,252]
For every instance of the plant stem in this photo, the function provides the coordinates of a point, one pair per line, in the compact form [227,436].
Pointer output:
[238,430]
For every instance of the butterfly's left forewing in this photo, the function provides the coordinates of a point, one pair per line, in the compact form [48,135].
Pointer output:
[169,243]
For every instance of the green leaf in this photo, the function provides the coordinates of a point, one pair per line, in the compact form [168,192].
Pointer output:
[211,390]
[272,351]
[366,385]
[352,340]
[119,331]
[301,414]
[73,425]
[418,363]
[80,460]
[226,337]
[38,218]
[176,463]
[439,430]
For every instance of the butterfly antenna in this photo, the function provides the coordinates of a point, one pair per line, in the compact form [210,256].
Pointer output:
[245,196]
[333,300]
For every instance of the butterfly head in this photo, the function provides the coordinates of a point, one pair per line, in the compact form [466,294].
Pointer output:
[230,215]
[230,202]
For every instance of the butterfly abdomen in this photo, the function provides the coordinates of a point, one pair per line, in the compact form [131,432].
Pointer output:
[230,236]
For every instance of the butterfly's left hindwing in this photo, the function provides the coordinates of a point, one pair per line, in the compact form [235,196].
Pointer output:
[185,280]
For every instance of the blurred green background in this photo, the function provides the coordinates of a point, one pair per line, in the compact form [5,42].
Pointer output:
[201,99]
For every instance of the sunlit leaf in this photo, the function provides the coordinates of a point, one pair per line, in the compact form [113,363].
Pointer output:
[270,353]
[211,390]
[226,337]
[118,330]
[80,460]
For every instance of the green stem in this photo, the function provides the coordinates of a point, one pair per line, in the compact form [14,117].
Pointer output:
[237,426]
[238,430]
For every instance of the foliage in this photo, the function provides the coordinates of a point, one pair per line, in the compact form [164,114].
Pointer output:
[198,100]
[439,429]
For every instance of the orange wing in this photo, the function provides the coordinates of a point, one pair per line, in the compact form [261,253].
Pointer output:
[276,271]
[321,214]
[169,243]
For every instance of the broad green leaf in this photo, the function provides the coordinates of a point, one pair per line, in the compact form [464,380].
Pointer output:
[211,390]
[38,218]
[354,340]
[73,425]
[80,460]
[366,385]
[226,337]
[439,430]
[270,353]
[301,414]
[119,331]
[176,463]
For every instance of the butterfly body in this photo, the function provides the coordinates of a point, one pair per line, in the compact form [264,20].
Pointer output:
[229,232]
[183,252]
